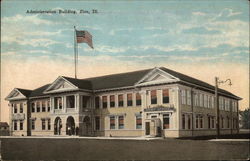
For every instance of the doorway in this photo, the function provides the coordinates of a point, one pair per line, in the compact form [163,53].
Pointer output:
[147,127]
[70,126]
[57,126]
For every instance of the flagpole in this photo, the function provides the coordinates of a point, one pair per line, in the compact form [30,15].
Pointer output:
[75,51]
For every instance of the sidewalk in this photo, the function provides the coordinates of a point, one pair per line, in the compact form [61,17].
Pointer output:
[248,140]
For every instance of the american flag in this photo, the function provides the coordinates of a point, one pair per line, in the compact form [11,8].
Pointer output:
[84,37]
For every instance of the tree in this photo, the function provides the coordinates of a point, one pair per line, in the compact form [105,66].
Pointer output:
[245,118]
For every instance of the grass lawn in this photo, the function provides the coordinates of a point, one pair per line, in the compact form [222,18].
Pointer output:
[93,149]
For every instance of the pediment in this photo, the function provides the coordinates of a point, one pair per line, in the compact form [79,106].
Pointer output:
[156,76]
[15,94]
[60,85]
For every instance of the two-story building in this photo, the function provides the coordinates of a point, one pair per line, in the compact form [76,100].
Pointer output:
[151,102]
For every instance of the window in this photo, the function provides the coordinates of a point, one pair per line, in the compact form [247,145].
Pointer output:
[189,121]
[188,97]
[104,101]
[165,96]
[209,122]
[183,97]
[49,126]
[129,99]
[48,105]
[201,100]
[112,122]
[32,107]
[212,102]
[205,101]
[97,102]
[138,122]
[120,100]
[15,125]
[85,100]
[33,124]
[183,121]
[112,101]
[228,122]
[58,102]
[213,122]
[196,121]
[21,125]
[121,122]
[153,97]
[37,106]
[165,121]
[209,102]
[201,122]
[138,99]
[43,106]
[43,124]
[196,99]
[70,101]
[97,123]
[21,107]
[15,108]
[222,122]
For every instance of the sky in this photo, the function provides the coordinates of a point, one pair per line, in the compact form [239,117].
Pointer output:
[202,38]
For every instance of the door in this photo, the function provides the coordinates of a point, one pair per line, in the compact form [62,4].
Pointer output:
[147,126]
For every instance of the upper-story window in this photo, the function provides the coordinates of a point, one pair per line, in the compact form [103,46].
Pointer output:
[58,102]
[221,103]
[21,107]
[183,96]
[153,97]
[129,99]
[32,107]
[188,97]
[138,99]
[15,108]
[37,106]
[120,100]
[48,105]
[112,100]
[212,102]
[43,106]
[70,101]
[104,101]
[97,102]
[196,99]
[85,100]
[165,96]
[201,99]
[205,101]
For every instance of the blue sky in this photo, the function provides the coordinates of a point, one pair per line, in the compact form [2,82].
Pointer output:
[148,31]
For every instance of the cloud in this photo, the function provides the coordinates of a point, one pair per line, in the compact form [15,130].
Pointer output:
[33,19]
[200,30]
[199,13]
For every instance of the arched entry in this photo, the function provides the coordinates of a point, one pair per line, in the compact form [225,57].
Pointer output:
[70,126]
[86,126]
[57,126]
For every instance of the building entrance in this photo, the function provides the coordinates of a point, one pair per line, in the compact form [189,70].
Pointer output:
[70,126]
[57,126]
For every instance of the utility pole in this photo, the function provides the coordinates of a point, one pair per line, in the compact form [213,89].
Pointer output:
[217,108]
[217,82]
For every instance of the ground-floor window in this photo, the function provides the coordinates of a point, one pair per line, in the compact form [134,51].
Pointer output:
[228,122]
[21,125]
[209,122]
[112,122]
[165,121]
[189,122]
[49,126]
[222,122]
[138,122]
[43,124]
[183,121]
[15,125]
[199,121]
[213,121]
[33,124]
[97,123]
[121,122]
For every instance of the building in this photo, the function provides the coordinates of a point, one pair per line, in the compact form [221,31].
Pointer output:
[153,102]
[4,129]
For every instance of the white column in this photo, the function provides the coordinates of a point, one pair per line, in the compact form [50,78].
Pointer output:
[108,101]
[116,100]
[64,104]
[100,103]
[134,99]
[125,100]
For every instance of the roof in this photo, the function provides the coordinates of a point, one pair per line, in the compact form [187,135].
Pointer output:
[25,92]
[128,79]
[4,124]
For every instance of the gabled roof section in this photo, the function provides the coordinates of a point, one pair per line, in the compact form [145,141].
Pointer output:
[18,93]
[39,91]
[117,80]
[80,83]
